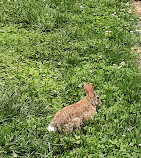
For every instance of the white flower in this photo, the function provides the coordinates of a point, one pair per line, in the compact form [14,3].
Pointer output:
[127,4]
[122,9]
[119,67]
[131,144]
[15,155]
[124,135]
[139,31]
[107,32]
[130,11]
[122,63]
[81,6]
[91,71]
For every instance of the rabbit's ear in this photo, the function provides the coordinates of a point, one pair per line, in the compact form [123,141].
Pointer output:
[86,88]
[89,88]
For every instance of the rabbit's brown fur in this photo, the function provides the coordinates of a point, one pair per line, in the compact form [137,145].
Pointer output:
[76,114]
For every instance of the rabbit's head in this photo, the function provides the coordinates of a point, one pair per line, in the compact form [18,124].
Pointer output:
[91,96]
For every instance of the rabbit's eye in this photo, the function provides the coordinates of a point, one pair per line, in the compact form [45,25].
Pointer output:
[97,97]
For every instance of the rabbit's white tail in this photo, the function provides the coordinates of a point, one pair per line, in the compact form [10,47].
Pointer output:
[51,128]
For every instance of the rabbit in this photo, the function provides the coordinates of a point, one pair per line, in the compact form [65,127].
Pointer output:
[76,114]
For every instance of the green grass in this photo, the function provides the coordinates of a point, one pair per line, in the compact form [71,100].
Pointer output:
[48,49]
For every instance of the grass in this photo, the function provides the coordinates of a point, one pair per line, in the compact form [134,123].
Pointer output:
[48,49]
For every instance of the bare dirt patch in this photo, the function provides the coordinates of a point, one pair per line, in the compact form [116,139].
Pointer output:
[137,5]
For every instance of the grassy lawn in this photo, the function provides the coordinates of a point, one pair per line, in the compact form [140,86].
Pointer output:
[48,50]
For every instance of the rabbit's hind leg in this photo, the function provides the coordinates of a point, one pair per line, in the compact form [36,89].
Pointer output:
[76,122]
[67,128]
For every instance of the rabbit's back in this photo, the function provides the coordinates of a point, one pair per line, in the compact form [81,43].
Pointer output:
[73,115]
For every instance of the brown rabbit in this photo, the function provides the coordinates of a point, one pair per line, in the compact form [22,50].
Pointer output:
[76,114]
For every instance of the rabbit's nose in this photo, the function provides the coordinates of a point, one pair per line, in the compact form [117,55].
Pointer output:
[100,102]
